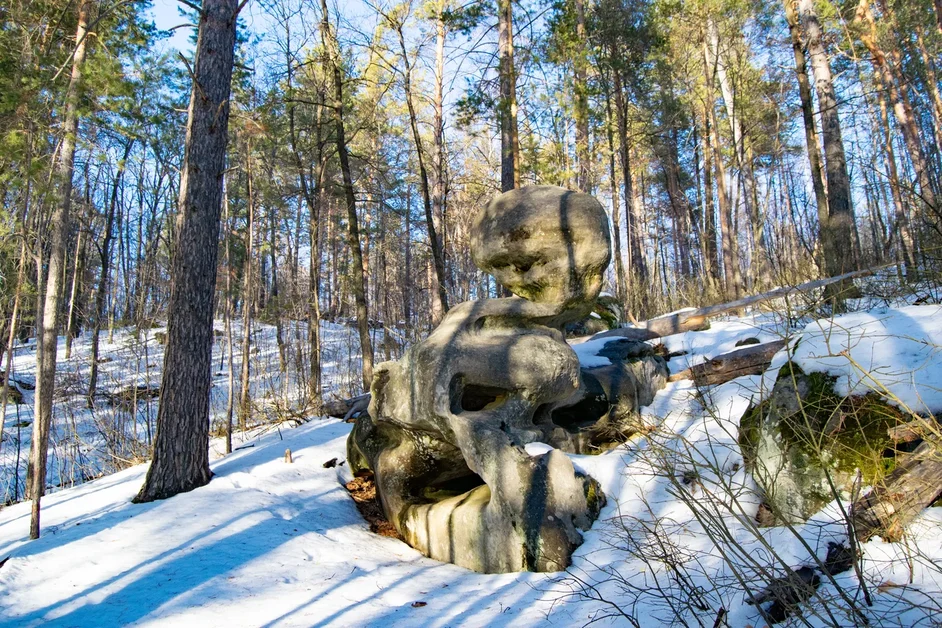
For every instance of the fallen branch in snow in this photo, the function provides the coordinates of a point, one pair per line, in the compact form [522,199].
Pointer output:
[696,319]
[907,491]
[751,360]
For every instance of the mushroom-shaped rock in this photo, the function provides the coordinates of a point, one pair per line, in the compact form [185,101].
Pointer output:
[448,424]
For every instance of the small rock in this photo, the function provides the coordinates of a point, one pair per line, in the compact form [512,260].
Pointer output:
[330,464]
[787,593]
[840,558]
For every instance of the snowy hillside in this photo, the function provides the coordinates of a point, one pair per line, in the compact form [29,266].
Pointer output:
[277,543]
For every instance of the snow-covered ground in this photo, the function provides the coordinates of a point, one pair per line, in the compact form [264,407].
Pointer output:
[88,443]
[271,543]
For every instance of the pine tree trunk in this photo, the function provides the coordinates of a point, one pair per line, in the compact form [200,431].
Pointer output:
[407,264]
[105,271]
[181,447]
[581,104]
[889,74]
[507,107]
[48,315]
[230,371]
[901,218]
[807,115]
[438,138]
[732,278]
[620,282]
[18,295]
[636,260]
[71,321]
[353,229]
[708,238]
[759,266]
[440,294]
[248,297]
[837,231]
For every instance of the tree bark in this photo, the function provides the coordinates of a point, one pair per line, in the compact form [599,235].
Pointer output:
[78,269]
[807,116]
[742,160]
[103,277]
[507,107]
[581,104]
[353,230]
[438,139]
[751,360]
[621,284]
[181,447]
[913,485]
[248,295]
[732,278]
[440,294]
[837,231]
[889,74]
[59,227]
[636,260]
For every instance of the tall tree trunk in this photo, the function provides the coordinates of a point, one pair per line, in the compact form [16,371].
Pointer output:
[59,227]
[932,82]
[621,286]
[507,106]
[636,260]
[710,251]
[275,295]
[438,138]
[230,371]
[353,230]
[105,271]
[18,295]
[837,231]
[407,262]
[581,104]
[248,295]
[889,74]
[901,220]
[181,447]
[807,116]
[78,269]
[741,156]
[440,306]
[732,278]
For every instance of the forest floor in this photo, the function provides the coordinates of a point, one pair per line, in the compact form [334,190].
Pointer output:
[272,543]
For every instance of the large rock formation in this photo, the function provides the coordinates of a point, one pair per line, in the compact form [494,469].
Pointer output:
[448,423]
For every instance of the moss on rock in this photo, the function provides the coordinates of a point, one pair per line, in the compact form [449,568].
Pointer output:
[805,441]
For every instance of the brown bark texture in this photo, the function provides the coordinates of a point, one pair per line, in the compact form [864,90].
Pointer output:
[181,447]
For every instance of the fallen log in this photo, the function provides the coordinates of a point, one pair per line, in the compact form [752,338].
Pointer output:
[696,319]
[128,396]
[751,360]
[901,496]
[346,408]
[912,431]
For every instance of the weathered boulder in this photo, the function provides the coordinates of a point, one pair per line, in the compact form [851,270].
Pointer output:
[805,442]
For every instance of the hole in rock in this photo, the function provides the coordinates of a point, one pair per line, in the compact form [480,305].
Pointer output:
[585,412]
[437,491]
[475,398]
